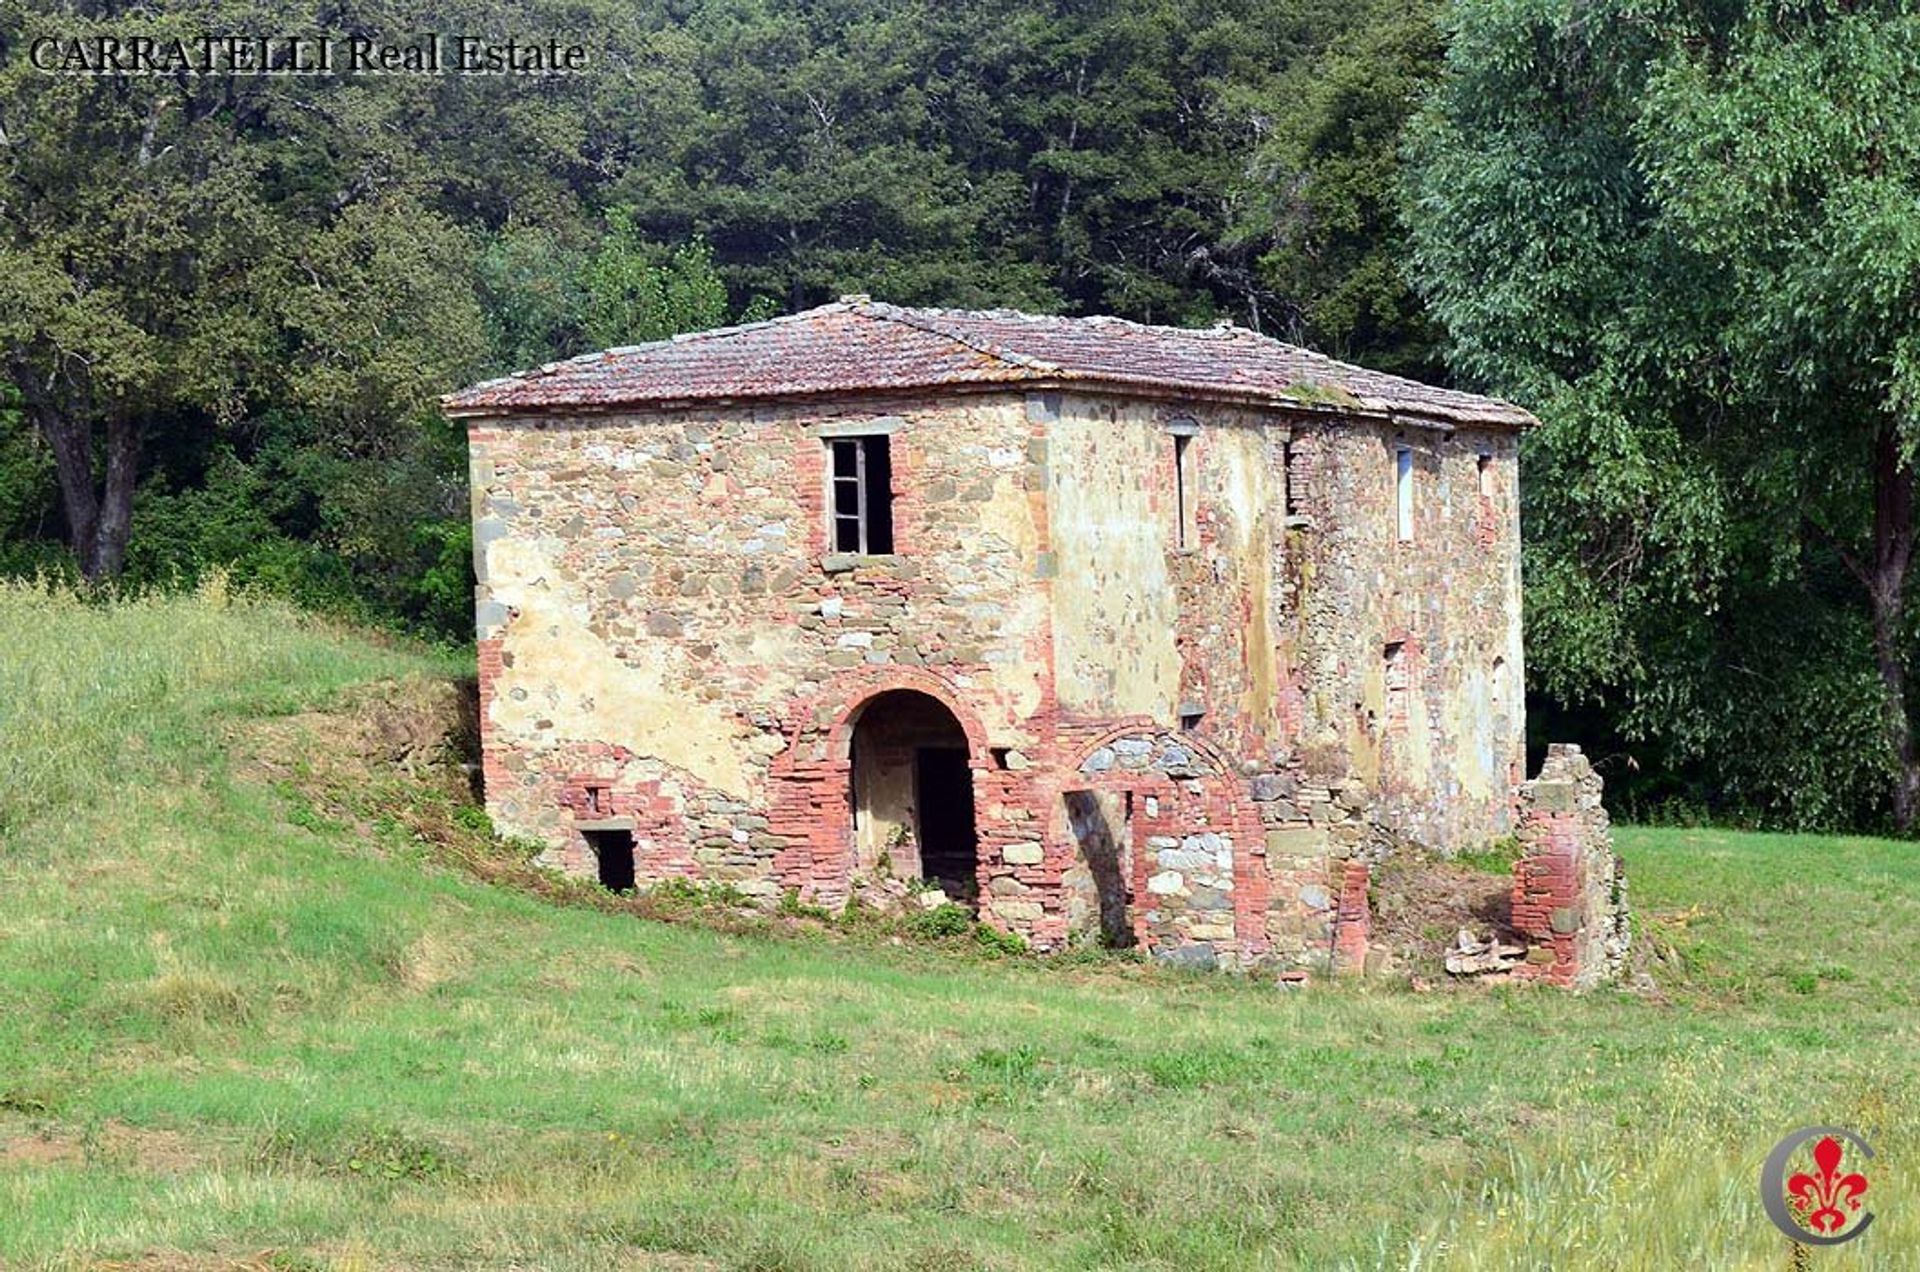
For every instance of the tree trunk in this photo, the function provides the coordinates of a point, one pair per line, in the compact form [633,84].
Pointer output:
[1886,581]
[72,446]
[99,514]
[108,551]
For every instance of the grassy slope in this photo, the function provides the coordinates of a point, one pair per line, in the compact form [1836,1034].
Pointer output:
[226,1034]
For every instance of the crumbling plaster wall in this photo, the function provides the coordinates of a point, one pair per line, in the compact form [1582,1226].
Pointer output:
[1441,762]
[1142,625]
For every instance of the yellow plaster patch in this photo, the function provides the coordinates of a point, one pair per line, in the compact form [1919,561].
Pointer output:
[646,702]
[1241,457]
[1009,517]
[1114,607]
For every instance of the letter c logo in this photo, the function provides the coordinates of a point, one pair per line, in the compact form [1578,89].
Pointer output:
[1774,1183]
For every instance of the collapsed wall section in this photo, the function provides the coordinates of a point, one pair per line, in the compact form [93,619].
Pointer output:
[1569,888]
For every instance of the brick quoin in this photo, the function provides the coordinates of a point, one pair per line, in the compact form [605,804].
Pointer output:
[1543,884]
[491,658]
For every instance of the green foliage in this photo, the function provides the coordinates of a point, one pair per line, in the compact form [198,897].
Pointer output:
[529,281]
[792,907]
[942,921]
[1326,213]
[1671,231]
[273,279]
[1495,858]
[996,942]
[635,292]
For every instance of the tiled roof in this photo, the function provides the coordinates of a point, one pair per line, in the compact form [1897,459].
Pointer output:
[858,345]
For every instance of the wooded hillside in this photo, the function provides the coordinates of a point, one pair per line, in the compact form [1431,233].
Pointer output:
[1686,236]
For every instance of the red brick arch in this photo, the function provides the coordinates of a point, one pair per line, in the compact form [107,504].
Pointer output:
[853,690]
[812,777]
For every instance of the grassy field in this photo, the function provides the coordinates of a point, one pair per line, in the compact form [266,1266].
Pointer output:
[237,1033]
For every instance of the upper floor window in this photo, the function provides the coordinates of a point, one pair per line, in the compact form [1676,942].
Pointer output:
[1184,489]
[1403,491]
[1290,477]
[860,489]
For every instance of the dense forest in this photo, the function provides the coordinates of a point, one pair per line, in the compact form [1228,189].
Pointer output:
[1685,234]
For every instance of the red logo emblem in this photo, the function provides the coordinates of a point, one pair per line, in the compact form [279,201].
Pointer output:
[1822,1206]
[1828,1201]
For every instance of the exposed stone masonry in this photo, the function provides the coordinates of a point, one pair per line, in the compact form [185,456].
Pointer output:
[1192,742]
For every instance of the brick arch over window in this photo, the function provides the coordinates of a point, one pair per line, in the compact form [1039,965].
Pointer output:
[1097,764]
[812,779]
[1215,759]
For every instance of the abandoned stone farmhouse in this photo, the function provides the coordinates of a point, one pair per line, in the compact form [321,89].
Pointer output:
[1106,631]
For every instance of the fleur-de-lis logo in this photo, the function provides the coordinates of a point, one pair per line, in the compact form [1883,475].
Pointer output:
[1829,1200]
[1823,1207]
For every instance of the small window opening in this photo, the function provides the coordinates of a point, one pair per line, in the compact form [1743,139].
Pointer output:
[613,849]
[1183,489]
[1485,467]
[1290,478]
[1190,716]
[861,487]
[1403,490]
[999,755]
[599,802]
[1394,663]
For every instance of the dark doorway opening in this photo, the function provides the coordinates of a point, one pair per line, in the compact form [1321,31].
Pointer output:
[912,793]
[1101,823]
[949,846]
[614,851]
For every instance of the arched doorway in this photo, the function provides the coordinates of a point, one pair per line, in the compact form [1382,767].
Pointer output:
[911,792]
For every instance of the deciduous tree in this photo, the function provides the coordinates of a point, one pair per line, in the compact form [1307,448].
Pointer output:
[1686,234]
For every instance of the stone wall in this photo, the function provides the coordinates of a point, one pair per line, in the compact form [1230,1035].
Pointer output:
[664,616]
[1177,728]
[1191,878]
[1407,654]
[1569,890]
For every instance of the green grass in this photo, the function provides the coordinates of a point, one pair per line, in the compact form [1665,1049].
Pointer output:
[234,1029]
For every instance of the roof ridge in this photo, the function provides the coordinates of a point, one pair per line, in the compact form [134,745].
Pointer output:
[1225,329]
[1341,365]
[681,337]
[919,321]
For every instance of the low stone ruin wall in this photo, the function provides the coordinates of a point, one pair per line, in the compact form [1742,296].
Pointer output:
[1569,891]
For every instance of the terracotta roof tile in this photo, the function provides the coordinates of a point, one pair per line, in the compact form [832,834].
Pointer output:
[858,345]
